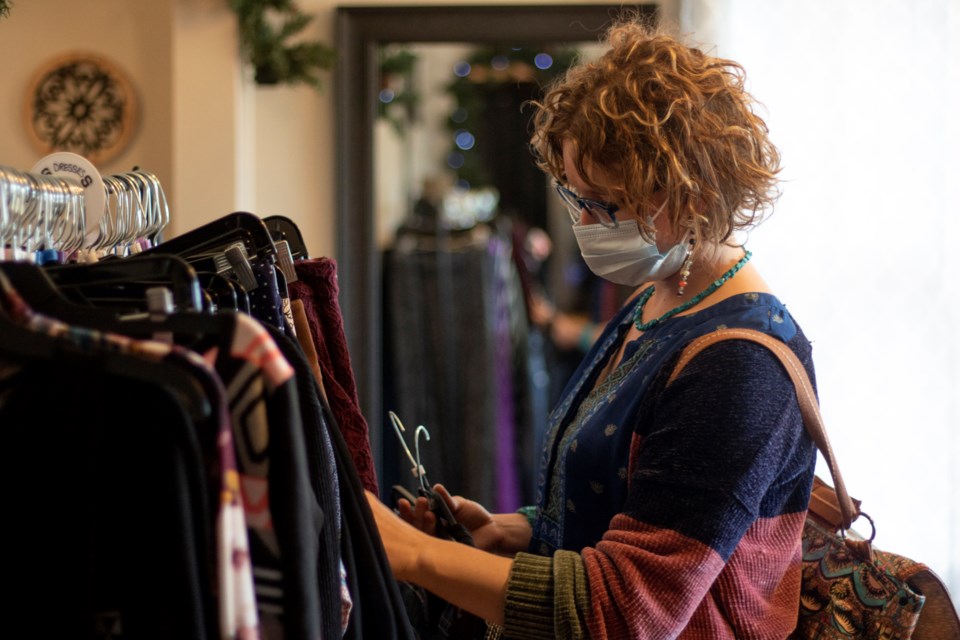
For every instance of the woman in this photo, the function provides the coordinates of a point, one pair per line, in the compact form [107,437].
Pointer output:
[663,511]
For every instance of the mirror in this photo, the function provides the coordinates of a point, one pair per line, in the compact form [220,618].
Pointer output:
[361,34]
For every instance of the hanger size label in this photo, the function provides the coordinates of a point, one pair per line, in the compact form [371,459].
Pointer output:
[80,171]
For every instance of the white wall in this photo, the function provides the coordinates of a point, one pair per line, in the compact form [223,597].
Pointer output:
[211,135]
[862,99]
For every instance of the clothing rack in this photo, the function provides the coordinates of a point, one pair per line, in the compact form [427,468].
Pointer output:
[207,460]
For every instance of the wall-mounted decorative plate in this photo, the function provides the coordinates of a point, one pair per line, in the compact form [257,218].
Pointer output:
[81,103]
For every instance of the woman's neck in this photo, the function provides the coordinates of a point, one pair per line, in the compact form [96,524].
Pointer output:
[705,269]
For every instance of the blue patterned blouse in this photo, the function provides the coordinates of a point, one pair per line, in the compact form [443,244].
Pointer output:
[582,481]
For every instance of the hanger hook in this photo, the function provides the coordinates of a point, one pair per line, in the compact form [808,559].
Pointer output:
[417,470]
[400,429]
[416,447]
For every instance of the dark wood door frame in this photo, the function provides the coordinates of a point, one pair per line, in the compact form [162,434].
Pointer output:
[360,31]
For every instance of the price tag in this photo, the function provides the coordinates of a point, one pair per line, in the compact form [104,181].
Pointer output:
[78,170]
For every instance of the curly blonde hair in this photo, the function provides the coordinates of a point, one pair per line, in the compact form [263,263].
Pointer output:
[653,114]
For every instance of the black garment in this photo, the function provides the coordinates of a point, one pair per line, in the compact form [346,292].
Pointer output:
[296,516]
[105,500]
[322,468]
[378,610]
[433,618]
[285,585]
[288,562]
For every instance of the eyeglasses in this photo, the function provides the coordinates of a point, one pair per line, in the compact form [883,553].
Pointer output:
[602,211]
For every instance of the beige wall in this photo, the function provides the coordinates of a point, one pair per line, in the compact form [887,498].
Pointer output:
[135,36]
[218,143]
[181,58]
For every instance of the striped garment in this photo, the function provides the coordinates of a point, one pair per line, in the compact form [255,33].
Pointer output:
[672,512]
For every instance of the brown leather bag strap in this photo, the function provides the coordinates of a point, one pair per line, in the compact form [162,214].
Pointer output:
[809,406]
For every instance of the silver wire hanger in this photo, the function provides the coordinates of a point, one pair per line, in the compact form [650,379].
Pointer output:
[447,525]
[417,470]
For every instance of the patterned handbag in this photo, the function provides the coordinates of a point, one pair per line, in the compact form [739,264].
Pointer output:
[849,589]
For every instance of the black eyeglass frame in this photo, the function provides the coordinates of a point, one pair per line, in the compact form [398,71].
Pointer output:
[602,211]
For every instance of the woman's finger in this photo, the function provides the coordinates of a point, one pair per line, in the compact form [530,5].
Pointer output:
[453,502]
[418,514]
[419,509]
[405,509]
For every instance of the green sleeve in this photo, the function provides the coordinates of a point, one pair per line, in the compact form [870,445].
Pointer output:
[546,598]
[530,513]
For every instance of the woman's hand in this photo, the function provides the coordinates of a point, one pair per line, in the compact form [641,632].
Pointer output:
[466,577]
[401,541]
[493,533]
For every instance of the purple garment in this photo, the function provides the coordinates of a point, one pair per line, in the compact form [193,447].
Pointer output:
[316,287]
[508,484]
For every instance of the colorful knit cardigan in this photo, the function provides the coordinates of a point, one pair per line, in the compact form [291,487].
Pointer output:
[671,512]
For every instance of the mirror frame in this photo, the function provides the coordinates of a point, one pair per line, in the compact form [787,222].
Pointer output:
[360,31]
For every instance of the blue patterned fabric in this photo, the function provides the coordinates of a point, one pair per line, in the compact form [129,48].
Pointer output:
[583,473]
[265,303]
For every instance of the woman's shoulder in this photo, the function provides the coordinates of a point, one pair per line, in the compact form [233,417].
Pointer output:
[742,367]
[762,311]
[742,360]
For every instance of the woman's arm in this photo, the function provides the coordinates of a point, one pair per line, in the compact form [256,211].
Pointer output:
[501,533]
[516,533]
[469,578]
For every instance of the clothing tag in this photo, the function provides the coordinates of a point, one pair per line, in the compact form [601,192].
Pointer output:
[288,314]
[78,170]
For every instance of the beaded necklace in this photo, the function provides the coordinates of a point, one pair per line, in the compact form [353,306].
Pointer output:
[638,311]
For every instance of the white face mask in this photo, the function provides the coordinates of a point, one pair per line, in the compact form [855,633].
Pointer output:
[621,255]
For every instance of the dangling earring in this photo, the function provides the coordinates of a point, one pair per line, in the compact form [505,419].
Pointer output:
[685,269]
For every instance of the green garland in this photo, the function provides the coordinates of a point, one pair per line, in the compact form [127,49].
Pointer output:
[397,64]
[5,8]
[266,28]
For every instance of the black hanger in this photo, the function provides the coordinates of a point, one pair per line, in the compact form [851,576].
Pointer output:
[209,248]
[222,290]
[122,283]
[195,331]
[215,236]
[207,305]
[24,346]
[41,293]
[283,228]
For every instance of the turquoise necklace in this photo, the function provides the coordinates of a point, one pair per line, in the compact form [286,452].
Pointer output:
[638,311]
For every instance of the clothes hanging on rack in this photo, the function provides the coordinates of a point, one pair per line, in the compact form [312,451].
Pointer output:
[282,522]
[266,303]
[317,290]
[458,359]
[376,608]
[301,324]
[126,483]
[335,605]
[180,474]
